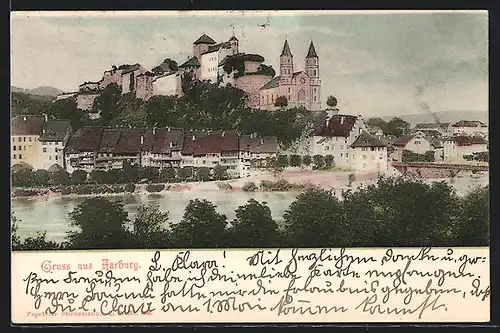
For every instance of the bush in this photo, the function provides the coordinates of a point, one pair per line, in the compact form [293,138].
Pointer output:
[129,187]
[20,192]
[249,187]
[86,189]
[154,188]
[65,190]
[280,186]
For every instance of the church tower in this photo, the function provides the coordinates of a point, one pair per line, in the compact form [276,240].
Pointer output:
[286,64]
[312,69]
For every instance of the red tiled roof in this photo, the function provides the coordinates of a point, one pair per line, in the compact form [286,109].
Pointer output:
[463,140]
[159,143]
[129,141]
[365,139]
[86,139]
[258,145]
[338,125]
[27,125]
[469,123]
[402,141]
[110,138]
[209,144]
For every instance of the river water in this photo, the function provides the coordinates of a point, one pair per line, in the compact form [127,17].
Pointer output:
[51,214]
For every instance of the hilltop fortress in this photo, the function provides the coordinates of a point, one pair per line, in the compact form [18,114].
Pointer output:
[219,63]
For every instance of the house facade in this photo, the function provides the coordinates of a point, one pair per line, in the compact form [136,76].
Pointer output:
[25,140]
[162,147]
[470,128]
[444,129]
[369,154]
[456,147]
[419,142]
[55,135]
[81,150]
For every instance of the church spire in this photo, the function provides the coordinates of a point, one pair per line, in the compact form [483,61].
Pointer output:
[286,50]
[312,51]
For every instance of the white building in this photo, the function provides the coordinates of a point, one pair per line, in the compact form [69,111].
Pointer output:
[167,85]
[456,147]
[419,142]
[467,127]
[210,54]
[55,135]
[368,154]
[257,149]
[442,128]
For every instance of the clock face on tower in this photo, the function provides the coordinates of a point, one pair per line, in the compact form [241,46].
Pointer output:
[302,80]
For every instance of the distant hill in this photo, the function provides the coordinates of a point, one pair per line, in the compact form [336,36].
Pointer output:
[444,116]
[40,91]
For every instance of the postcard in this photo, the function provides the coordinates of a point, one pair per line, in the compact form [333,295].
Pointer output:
[230,167]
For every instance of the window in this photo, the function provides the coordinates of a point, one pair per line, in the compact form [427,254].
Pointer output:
[29,139]
[346,154]
[24,139]
[44,150]
[20,156]
[19,148]
[364,165]
[289,90]
[50,143]
[341,147]
[14,156]
[24,148]
[373,148]
[364,157]
[14,148]
[19,139]
[56,150]
[56,157]
[50,158]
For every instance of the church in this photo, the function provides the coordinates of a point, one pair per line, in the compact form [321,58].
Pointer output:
[301,88]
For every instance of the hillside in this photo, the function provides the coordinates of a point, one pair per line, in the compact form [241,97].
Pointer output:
[444,116]
[40,91]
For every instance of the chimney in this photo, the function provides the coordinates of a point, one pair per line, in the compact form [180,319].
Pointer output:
[24,118]
[341,120]
[223,133]
[45,116]
[194,138]
[154,130]
[142,139]
[261,141]
[171,144]
[168,129]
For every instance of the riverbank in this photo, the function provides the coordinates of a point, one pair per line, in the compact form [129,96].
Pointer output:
[291,180]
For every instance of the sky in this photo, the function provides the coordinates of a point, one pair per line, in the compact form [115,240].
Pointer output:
[374,63]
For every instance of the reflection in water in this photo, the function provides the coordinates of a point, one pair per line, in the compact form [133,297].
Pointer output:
[51,214]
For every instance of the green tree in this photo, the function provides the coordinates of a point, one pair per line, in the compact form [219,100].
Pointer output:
[162,111]
[220,172]
[149,173]
[106,104]
[397,127]
[249,187]
[319,161]
[41,177]
[295,160]
[201,226]
[281,102]
[315,219]
[150,228]
[203,173]
[329,161]
[282,161]
[15,239]
[130,172]
[167,174]
[307,160]
[254,226]
[66,109]
[79,177]
[60,177]
[99,176]
[331,101]
[185,173]
[474,218]
[378,122]
[100,224]
[22,178]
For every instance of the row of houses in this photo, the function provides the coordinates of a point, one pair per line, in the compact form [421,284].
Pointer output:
[99,148]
